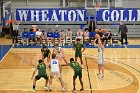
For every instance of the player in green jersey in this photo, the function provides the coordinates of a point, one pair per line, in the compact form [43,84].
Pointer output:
[41,68]
[46,53]
[77,72]
[78,51]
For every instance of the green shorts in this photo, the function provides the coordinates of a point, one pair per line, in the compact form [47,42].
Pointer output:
[78,73]
[78,54]
[41,76]
[45,56]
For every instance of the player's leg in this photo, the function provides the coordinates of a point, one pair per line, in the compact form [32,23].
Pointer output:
[50,82]
[102,70]
[81,60]
[74,83]
[34,82]
[81,81]
[76,56]
[65,60]
[61,81]
[46,82]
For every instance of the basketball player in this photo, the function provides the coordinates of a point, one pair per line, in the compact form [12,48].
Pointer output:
[59,53]
[41,74]
[77,72]
[45,53]
[78,51]
[56,70]
[98,43]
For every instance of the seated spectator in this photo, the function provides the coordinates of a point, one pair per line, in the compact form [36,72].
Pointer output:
[69,36]
[25,36]
[38,35]
[108,37]
[62,36]
[101,34]
[92,36]
[86,36]
[32,36]
[49,35]
[56,35]
[80,34]
[43,37]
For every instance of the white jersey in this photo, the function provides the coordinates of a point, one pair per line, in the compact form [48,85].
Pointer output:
[100,55]
[54,65]
[58,52]
[86,35]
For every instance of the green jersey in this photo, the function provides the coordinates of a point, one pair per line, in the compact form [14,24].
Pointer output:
[79,47]
[46,52]
[75,66]
[41,69]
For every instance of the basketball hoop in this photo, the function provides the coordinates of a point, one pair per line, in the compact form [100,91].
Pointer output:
[13,22]
[97,6]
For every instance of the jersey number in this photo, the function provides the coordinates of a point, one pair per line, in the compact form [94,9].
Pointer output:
[54,62]
[74,64]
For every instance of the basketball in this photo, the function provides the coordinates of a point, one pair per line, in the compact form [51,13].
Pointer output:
[97,36]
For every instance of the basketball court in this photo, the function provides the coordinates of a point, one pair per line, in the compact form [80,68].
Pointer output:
[122,65]
[122,71]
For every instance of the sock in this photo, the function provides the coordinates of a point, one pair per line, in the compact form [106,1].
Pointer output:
[33,87]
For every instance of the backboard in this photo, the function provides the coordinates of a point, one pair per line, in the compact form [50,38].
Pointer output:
[97,4]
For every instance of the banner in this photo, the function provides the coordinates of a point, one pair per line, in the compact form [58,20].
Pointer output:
[51,14]
[124,14]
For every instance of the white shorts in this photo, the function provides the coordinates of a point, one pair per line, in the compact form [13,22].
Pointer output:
[100,60]
[55,73]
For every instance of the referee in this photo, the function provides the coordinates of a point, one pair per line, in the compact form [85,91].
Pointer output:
[123,29]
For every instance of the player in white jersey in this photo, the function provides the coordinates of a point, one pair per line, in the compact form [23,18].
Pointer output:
[100,56]
[59,53]
[55,71]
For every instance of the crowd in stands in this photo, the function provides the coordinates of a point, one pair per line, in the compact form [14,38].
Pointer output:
[62,37]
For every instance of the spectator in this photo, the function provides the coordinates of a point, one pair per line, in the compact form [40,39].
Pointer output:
[108,37]
[86,36]
[38,35]
[49,35]
[56,35]
[69,36]
[62,36]
[92,36]
[43,37]
[123,29]
[32,36]
[80,35]
[25,36]
[101,34]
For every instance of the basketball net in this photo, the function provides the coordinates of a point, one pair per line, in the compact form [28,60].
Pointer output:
[97,6]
